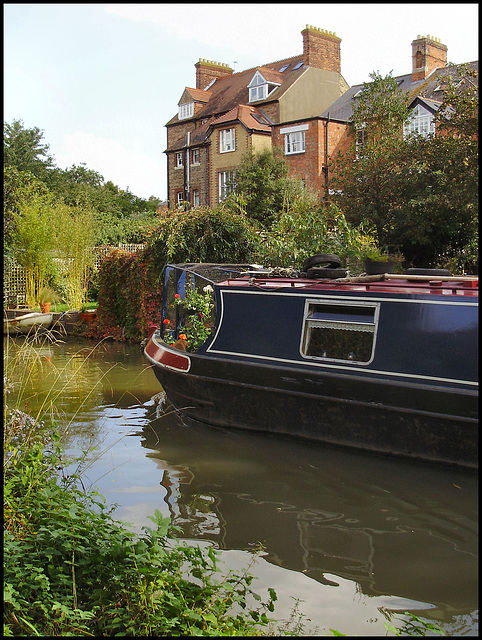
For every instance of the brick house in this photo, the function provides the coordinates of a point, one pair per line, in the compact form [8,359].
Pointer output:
[228,113]
[423,86]
[302,105]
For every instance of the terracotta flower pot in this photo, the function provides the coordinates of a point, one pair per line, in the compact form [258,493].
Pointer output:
[45,307]
[87,316]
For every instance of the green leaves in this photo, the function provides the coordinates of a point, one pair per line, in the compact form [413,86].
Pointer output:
[70,568]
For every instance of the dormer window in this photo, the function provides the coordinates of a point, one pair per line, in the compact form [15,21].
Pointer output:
[421,123]
[186,110]
[260,88]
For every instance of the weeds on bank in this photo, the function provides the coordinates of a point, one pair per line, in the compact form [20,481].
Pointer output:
[70,568]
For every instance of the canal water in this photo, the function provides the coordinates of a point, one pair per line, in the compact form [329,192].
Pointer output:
[356,539]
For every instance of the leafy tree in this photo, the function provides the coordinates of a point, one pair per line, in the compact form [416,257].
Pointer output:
[369,179]
[122,216]
[24,150]
[261,186]
[19,187]
[73,238]
[32,243]
[203,235]
[419,194]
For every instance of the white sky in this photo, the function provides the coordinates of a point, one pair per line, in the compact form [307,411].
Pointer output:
[102,80]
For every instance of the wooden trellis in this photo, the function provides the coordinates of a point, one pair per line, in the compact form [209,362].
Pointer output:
[14,282]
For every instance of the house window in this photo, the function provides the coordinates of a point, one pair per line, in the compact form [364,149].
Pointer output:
[186,111]
[340,332]
[294,138]
[259,88]
[179,162]
[180,197]
[226,140]
[360,139]
[295,142]
[226,184]
[421,123]
[195,156]
[195,197]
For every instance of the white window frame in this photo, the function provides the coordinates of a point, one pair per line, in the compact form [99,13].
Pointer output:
[186,110]
[294,143]
[258,88]
[421,123]
[227,140]
[180,197]
[294,138]
[195,197]
[360,139]
[195,156]
[179,163]
[226,180]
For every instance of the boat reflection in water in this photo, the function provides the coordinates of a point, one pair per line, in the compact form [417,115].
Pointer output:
[394,527]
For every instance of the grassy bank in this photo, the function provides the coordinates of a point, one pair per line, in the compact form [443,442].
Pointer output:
[71,569]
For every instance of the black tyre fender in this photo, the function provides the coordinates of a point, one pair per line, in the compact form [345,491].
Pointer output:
[329,260]
[415,271]
[325,272]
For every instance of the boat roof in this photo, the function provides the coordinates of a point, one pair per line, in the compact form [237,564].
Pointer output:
[387,283]
[252,275]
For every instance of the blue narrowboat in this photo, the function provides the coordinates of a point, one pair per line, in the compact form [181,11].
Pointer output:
[386,363]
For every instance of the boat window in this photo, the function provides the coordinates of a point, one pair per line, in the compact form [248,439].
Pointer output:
[340,331]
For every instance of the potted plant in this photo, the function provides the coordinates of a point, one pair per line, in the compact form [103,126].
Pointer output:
[46,296]
[377,262]
[86,315]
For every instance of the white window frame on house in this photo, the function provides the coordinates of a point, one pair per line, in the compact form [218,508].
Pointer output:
[179,197]
[226,182]
[195,197]
[195,156]
[360,138]
[227,140]
[294,139]
[179,160]
[260,88]
[186,110]
[421,123]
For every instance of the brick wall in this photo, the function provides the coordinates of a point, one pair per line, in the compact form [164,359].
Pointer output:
[308,166]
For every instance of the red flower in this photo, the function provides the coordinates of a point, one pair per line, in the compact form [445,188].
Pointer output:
[166,321]
[177,295]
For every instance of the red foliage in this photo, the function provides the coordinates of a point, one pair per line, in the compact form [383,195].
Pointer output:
[130,297]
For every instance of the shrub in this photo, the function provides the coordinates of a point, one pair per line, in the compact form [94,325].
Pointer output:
[203,235]
[71,569]
[129,297]
[307,228]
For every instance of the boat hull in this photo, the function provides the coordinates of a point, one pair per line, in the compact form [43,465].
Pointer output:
[431,423]
[385,365]
[28,323]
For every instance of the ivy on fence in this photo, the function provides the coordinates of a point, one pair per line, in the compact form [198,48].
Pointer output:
[130,297]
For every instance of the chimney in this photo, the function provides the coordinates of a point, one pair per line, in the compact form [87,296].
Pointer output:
[428,53]
[321,49]
[208,70]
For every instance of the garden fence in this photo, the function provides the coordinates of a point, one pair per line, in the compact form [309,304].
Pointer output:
[14,283]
